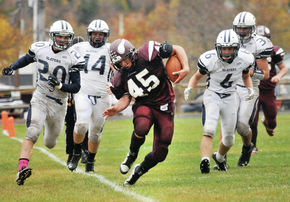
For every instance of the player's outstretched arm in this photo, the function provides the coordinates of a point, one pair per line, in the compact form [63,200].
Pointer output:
[120,106]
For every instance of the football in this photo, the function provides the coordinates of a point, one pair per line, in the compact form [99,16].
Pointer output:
[172,65]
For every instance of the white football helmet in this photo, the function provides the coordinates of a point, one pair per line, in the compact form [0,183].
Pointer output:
[245,20]
[227,38]
[263,31]
[61,28]
[98,26]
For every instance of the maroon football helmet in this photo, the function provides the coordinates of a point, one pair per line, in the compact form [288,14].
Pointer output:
[263,31]
[120,50]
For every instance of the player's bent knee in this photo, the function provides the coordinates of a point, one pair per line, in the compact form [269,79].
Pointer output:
[81,128]
[96,138]
[161,152]
[243,129]
[33,132]
[50,144]
[228,141]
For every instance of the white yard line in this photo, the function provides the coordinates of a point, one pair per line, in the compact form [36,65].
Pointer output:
[101,178]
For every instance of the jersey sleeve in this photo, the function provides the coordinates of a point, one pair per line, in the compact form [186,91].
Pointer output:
[77,59]
[118,85]
[37,46]
[264,47]
[249,60]
[278,55]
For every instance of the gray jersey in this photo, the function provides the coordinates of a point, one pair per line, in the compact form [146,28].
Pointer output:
[260,47]
[97,70]
[49,62]
[222,76]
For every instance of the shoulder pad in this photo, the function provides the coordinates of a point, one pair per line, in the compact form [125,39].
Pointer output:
[38,45]
[205,59]
[149,50]
[264,47]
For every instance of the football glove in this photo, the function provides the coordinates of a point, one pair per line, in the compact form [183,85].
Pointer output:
[258,74]
[250,94]
[52,81]
[7,71]
[188,94]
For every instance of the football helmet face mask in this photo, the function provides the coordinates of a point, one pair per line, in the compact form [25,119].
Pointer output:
[246,21]
[227,39]
[61,28]
[121,50]
[263,31]
[98,26]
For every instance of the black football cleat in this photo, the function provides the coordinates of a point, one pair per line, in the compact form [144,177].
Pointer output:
[221,166]
[205,166]
[135,175]
[69,157]
[246,155]
[22,175]
[84,157]
[216,167]
[90,167]
[127,163]
[73,164]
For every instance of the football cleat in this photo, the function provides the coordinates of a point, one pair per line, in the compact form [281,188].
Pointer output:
[127,163]
[269,130]
[136,173]
[205,166]
[216,167]
[90,167]
[69,159]
[221,166]
[84,157]
[73,164]
[246,155]
[22,175]
[255,150]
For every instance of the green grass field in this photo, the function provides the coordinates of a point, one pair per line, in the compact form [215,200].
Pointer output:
[178,178]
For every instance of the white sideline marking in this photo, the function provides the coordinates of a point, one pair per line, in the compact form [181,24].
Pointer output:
[101,178]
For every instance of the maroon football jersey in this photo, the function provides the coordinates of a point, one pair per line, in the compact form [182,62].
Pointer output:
[276,57]
[146,80]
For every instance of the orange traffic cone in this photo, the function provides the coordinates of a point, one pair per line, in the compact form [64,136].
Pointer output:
[4,117]
[11,129]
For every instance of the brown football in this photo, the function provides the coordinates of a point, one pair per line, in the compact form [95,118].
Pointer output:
[172,65]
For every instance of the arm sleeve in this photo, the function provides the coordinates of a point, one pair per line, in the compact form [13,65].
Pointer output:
[75,84]
[23,61]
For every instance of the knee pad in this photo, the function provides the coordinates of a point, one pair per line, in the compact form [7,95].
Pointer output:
[142,125]
[81,128]
[228,141]
[160,153]
[95,137]
[243,129]
[49,144]
[33,132]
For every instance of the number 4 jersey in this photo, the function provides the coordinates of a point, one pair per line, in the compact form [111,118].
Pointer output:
[222,76]
[146,80]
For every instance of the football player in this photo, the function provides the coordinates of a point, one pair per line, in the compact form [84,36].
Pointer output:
[141,75]
[267,97]
[224,67]
[70,119]
[56,64]
[92,99]
[244,25]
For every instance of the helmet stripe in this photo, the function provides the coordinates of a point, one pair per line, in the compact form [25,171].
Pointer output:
[229,38]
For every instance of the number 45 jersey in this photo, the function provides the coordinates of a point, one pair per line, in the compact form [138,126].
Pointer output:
[97,70]
[146,80]
[222,76]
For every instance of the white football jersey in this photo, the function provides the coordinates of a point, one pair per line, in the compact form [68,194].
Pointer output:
[97,70]
[59,64]
[260,47]
[222,76]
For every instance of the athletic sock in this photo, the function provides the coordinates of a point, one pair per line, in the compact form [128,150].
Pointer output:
[220,158]
[136,143]
[23,163]
[77,148]
[91,157]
